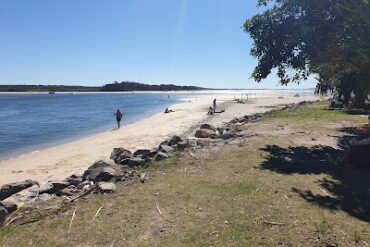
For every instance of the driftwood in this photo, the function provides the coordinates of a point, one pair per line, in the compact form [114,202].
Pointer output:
[97,212]
[112,244]
[11,220]
[70,223]
[18,217]
[83,194]
[325,193]
[272,223]
[158,209]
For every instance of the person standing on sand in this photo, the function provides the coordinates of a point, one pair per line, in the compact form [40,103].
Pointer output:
[118,118]
[214,105]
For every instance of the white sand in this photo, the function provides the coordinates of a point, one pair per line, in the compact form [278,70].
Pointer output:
[60,161]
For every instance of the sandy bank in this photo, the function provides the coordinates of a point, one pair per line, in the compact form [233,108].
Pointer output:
[63,160]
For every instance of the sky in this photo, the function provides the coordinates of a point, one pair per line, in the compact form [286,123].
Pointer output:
[95,42]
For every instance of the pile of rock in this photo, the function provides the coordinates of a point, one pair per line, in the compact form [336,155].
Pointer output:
[210,131]
[97,178]
[141,157]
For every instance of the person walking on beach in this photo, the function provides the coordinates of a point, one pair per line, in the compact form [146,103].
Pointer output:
[214,105]
[118,118]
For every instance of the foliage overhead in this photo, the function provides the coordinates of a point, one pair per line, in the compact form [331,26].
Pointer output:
[328,38]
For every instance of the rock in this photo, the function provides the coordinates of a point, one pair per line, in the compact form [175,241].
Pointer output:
[132,162]
[9,206]
[174,140]
[182,145]
[119,154]
[69,191]
[23,196]
[166,149]
[192,143]
[255,118]
[3,214]
[142,153]
[226,136]
[160,156]
[45,188]
[244,119]
[234,121]
[208,127]
[41,198]
[99,171]
[12,188]
[203,133]
[56,186]
[84,183]
[143,177]
[104,187]
[74,179]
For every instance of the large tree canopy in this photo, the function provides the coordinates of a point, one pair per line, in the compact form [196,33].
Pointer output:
[328,38]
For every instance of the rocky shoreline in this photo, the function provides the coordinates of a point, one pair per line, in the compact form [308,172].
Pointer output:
[125,167]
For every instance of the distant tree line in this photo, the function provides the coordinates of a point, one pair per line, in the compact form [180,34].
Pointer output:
[135,86]
[46,88]
[113,87]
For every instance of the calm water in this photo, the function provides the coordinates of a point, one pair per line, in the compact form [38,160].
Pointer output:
[29,122]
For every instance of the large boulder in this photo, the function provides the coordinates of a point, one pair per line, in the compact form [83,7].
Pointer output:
[119,154]
[74,179]
[45,187]
[208,127]
[226,136]
[142,153]
[3,213]
[12,188]
[204,133]
[54,187]
[104,187]
[173,140]
[182,145]
[69,191]
[9,206]
[132,162]
[42,198]
[166,149]
[24,196]
[160,156]
[100,171]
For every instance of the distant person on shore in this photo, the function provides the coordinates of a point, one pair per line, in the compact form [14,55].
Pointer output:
[214,105]
[210,111]
[168,111]
[118,118]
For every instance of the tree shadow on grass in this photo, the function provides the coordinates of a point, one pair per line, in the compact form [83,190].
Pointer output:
[347,190]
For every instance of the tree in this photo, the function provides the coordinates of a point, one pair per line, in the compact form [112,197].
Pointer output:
[329,38]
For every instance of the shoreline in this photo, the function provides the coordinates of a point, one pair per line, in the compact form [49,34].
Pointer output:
[73,157]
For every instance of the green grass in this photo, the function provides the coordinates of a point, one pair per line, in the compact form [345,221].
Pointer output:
[225,198]
[317,113]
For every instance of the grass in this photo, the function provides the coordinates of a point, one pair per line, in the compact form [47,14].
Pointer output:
[228,195]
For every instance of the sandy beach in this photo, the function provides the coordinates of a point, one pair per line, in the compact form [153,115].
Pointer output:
[74,157]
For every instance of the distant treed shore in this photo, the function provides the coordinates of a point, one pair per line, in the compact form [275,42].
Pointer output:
[113,87]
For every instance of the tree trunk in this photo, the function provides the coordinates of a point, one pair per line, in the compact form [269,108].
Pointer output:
[360,98]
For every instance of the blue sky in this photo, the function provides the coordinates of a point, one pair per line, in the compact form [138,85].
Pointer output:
[94,42]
